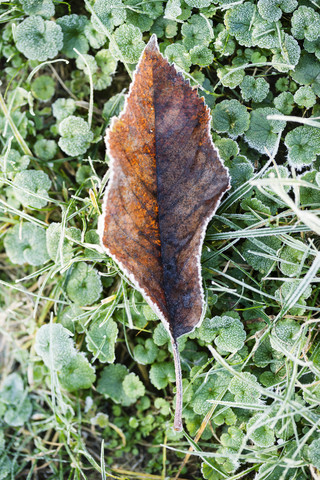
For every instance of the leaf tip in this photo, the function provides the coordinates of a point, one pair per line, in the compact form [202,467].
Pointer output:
[152,45]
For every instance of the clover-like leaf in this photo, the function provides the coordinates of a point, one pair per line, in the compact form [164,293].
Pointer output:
[272,9]
[238,21]
[31,188]
[77,373]
[231,117]
[255,89]
[290,260]
[213,389]
[260,432]
[45,149]
[54,345]
[129,43]
[133,387]
[307,72]
[314,452]
[284,103]
[101,340]
[112,13]
[39,39]
[265,245]
[161,374]
[12,162]
[44,8]
[305,97]
[196,32]
[146,353]
[73,34]
[84,284]
[26,243]
[245,388]
[305,23]
[111,381]
[201,55]
[19,413]
[63,108]
[61,249]
[263,133]
[286,333]
[308,195]
[303,145]
[43,88]
[177,54]
[75,136]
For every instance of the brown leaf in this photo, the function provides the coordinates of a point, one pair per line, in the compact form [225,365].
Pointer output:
[166,183]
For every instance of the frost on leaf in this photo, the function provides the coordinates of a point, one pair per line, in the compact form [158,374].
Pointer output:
[303,145]
[245,388]
[231,117]
[263,133]
[73,34]
[54,345]
[307,72]
[272,9]
[101,340]
[238,21]
[39,39]
[128,43]
[84,285]
[31,188]
[61,249]
[255,89]
[75,136]
[305,23]
[26,243]
[226,331]
[146,353]
[161,374]
[77,373]
[157,138]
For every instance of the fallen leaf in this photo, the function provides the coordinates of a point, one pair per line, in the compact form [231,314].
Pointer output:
[165,184]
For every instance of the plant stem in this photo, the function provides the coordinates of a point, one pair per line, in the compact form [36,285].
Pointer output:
[177,424]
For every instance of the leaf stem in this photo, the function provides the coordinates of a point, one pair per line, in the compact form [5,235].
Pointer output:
[177,424]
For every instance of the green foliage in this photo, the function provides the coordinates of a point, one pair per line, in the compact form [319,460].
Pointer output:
[128,43]
[238,21]
[161,374]
[303,145]
[272,9]
[26,243]
[75,136]
[74,36]
[284,103]
[101,340]
[111,12]
[255,89]
[43,88]
[263,133]
[54,345]
[245,388]
[31,188]
[12,162]
[146,353]
[44,8]
[84,285]
[201,55]
[314,453]
[61,249]
[197,31]
[226,331]
[231,117]
[178,55]
[45,149]
[307,72]
[77,373]
[305,97]
[305,23]
[121,386]
[63,108]
[39,39]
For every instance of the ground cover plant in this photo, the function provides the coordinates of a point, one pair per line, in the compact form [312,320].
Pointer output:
[87,380]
